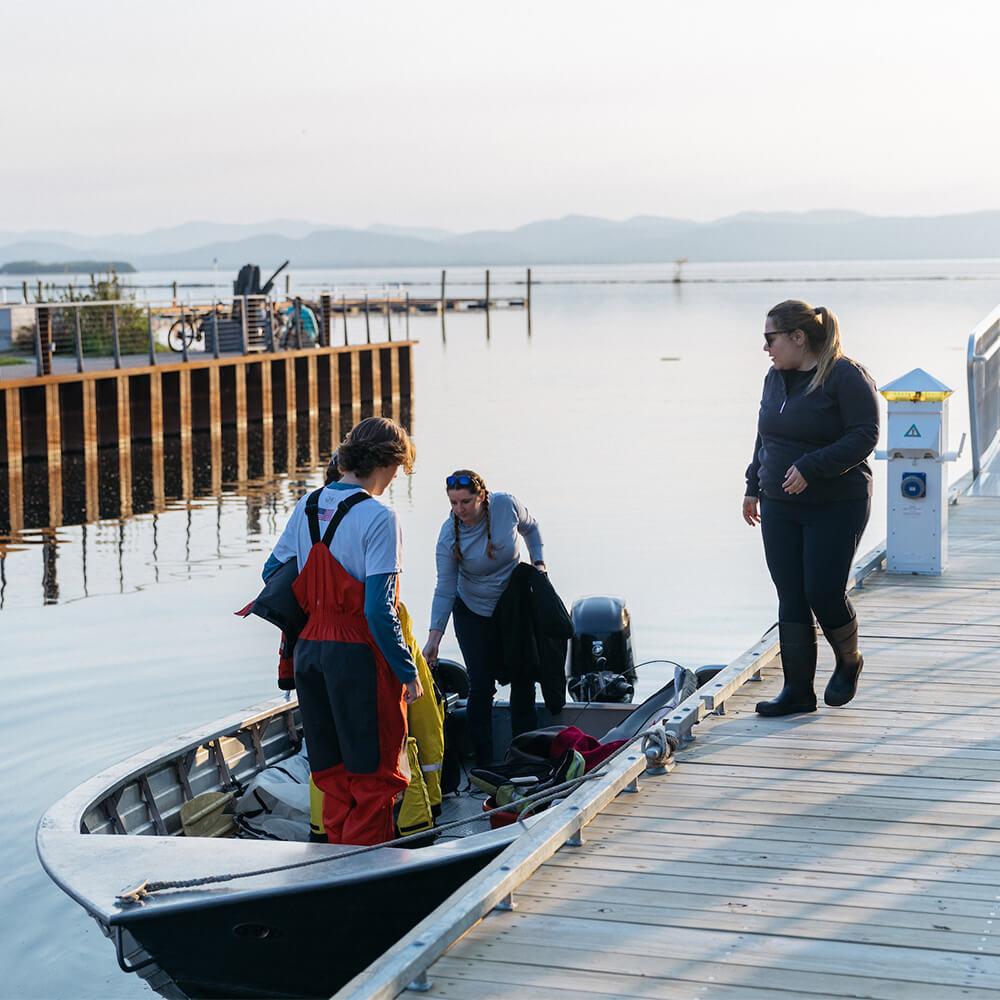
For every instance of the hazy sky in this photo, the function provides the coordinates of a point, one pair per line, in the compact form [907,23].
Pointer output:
[466,115]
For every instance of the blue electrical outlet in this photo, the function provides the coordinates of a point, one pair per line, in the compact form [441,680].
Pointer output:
[913,485]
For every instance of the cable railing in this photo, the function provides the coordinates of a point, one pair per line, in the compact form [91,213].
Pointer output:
[983,368]
[68,336]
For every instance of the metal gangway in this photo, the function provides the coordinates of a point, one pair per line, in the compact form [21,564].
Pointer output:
[983,366]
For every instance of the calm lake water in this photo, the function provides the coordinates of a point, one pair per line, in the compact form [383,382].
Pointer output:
[623,418]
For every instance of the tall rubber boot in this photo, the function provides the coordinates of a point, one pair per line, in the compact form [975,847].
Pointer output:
[798,664]
[843,685]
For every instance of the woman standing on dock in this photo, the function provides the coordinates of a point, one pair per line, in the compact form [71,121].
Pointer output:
[809,487]
[477,553]
[353,671]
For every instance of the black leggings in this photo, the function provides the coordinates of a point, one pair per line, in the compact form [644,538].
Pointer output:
[479,639]
[809,550]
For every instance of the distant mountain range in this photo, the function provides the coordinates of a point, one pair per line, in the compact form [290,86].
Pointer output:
[574,239]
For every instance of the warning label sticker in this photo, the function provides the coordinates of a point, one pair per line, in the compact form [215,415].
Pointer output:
[913,432]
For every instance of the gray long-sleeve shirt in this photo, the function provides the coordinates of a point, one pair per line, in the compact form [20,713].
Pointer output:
[478,579]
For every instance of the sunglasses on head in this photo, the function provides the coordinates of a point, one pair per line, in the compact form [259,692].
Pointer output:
[458,482]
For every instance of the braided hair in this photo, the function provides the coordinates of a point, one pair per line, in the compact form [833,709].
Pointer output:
[478,485]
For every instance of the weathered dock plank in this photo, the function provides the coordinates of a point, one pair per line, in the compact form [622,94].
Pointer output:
[850,852]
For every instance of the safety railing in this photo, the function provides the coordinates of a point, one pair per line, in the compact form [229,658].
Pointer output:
[124,332]
[983,368]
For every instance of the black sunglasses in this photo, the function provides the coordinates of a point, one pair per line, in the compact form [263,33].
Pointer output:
[455,482]
[770,335]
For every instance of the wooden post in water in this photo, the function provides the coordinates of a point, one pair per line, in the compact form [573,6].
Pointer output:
[122,406]
[156,437]
[376,382]
[291,402]
[343,310]
[267,417]
[15,462]
[313,415]
[187,456]
[443,300]
[240,373]
[527,293]
[355,386]
[53,452]
[368,328]
[487,289]
[215,427]
[334,391]
[388,315]
[90,468]
[407,314]
[396,368]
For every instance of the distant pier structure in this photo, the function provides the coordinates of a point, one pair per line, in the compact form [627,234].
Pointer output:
[93,422]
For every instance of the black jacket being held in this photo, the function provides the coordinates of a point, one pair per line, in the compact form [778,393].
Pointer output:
[534,628]
[827,434]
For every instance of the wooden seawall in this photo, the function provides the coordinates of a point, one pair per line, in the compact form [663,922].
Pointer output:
[99,412]
[850,852]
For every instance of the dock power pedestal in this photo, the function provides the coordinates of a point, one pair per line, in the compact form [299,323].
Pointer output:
[917,531]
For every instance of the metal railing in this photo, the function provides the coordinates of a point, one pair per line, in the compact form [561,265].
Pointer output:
[983,368]
[122,331]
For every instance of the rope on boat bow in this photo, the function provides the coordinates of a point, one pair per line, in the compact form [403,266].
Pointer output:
[657,745]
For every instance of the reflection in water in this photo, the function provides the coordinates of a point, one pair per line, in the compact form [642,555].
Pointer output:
[198,504]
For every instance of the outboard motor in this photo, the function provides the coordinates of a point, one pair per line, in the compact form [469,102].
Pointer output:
[601,664]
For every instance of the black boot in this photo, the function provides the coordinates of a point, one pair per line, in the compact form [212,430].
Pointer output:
[843,684]
[798,664]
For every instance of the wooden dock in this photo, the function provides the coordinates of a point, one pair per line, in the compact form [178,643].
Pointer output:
[850,852]
[107,409]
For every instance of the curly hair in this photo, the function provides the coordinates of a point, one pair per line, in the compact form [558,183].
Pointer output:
[374,443]
[479,488]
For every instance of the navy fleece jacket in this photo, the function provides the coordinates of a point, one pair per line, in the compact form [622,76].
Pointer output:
[827,434]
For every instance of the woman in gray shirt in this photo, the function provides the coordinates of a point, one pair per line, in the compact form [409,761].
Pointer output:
[477,551]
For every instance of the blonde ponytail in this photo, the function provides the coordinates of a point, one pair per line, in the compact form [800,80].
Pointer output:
[822,332]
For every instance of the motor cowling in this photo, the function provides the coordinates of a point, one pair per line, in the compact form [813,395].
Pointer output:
[601,662]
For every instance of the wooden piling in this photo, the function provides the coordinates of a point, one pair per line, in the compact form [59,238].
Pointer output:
[215,428]
[444,302]
[240,373]
[487,289]
[376,383]
[122,406]
[355,386]
[187,456]
[291,407]
[527,293]
[156,438]
[53,452]
[15,463]
[394,376]
[313,414]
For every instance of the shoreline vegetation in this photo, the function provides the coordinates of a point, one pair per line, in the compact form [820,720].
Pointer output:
[24,267]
